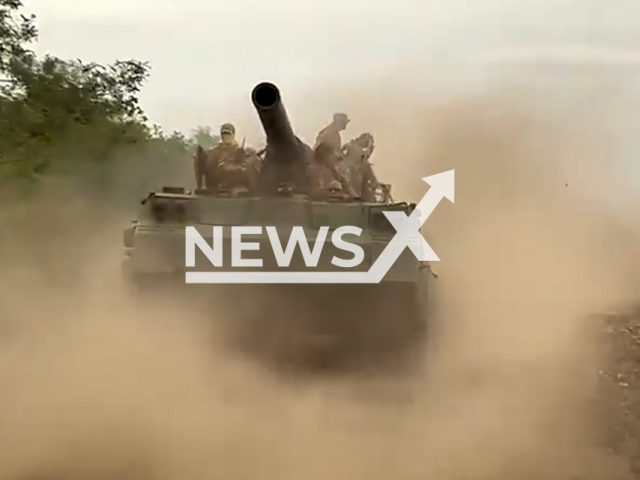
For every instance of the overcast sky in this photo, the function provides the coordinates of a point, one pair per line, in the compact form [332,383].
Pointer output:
[207,54]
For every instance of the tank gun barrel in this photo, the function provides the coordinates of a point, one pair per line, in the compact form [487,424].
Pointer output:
[286,158]
[275,122]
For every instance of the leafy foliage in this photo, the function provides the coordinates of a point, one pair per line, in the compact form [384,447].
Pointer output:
[17,31]
[204,137]
[61,116]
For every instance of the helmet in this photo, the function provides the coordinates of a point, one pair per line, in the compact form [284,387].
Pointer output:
[227,128]
[340,118]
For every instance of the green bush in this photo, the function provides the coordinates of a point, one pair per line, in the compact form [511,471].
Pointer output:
[68,117]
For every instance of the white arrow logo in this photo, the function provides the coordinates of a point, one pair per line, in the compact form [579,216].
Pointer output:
[408,236]
[408,228]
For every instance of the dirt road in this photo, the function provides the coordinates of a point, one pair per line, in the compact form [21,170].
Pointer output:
[619,393]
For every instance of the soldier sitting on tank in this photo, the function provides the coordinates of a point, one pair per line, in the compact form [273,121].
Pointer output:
[356,167]
[227,168]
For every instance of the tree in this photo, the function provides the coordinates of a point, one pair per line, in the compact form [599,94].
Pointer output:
[17,31]
[204,137]
[54,111]
[72,117]
[59,110]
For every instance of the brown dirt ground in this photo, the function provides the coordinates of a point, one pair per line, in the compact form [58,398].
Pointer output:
[619,386]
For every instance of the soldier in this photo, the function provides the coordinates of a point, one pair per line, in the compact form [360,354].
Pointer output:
[357,168]
[329,136]
[361,146]
[324,170]
[227,166]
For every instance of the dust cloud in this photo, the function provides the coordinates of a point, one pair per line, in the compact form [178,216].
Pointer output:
[96,384]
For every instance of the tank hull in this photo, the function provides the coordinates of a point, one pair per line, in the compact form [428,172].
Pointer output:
[305,325]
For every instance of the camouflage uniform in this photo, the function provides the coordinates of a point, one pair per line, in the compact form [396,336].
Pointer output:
[325,172]
[356,166]
[228,167]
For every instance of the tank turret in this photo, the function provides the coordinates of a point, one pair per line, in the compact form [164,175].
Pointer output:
[286,158]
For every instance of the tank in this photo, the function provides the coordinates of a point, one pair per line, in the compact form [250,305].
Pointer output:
[288,322]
